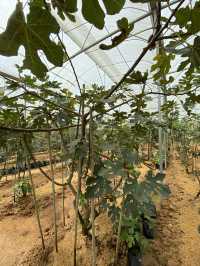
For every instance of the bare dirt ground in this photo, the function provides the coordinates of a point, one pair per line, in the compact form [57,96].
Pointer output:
[177,241]
[20,242]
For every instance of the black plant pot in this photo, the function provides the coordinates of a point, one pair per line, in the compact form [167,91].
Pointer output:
[152,212]
[133,259]
[32,165]
[148,232]
[158,166]
[46,163]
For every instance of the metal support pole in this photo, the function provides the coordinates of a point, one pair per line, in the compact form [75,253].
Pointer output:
[160,132]
[165,140]
[153,9]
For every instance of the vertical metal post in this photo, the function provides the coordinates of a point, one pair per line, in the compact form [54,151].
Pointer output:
[153,9]
[160,131]
[165,139]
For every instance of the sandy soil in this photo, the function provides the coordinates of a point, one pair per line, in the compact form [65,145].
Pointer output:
[19,237]
[177,241]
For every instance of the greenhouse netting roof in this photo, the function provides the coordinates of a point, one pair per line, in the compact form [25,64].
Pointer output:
[93,65]
[82,40]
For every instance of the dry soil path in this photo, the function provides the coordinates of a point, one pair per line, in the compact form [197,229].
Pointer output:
[177,240]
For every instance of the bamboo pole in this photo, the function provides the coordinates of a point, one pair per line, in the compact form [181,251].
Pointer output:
[92,201]
[53,191]
[118,235]
[80,170]
[36,205]
[63,195]
[35,199]
[76,210]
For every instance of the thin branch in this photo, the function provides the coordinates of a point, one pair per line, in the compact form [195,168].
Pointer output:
[73,68]
[6,98]
[41,170]
[172,94]
[64,152]
[32,130]
[33,93]
[119,233]
[143,53]
[187,34]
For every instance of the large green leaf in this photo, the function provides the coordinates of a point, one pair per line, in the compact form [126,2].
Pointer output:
[162,65]
[189,18]
[91,9]
[182,16]
[93,13]
[113,6]
[137,77]
[97,186]
[12,37]
[34,35]
[66,7]
[125,29]
[195,53]
[112,169]
[154,184]
[192,53]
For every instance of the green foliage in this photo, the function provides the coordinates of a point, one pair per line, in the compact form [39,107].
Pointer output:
[82,200]
[137,78]
[131,234]
[141,192]
[138,195]
[97,187]
[113,6]
[33,33]
[93,96]
[162,67]
[93,13]
[125,29]
[156,158]
[91,10]
[191,52]
[138,105]
[65,8]
[22,188]
[188,18]
[138,201]
[190,102]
